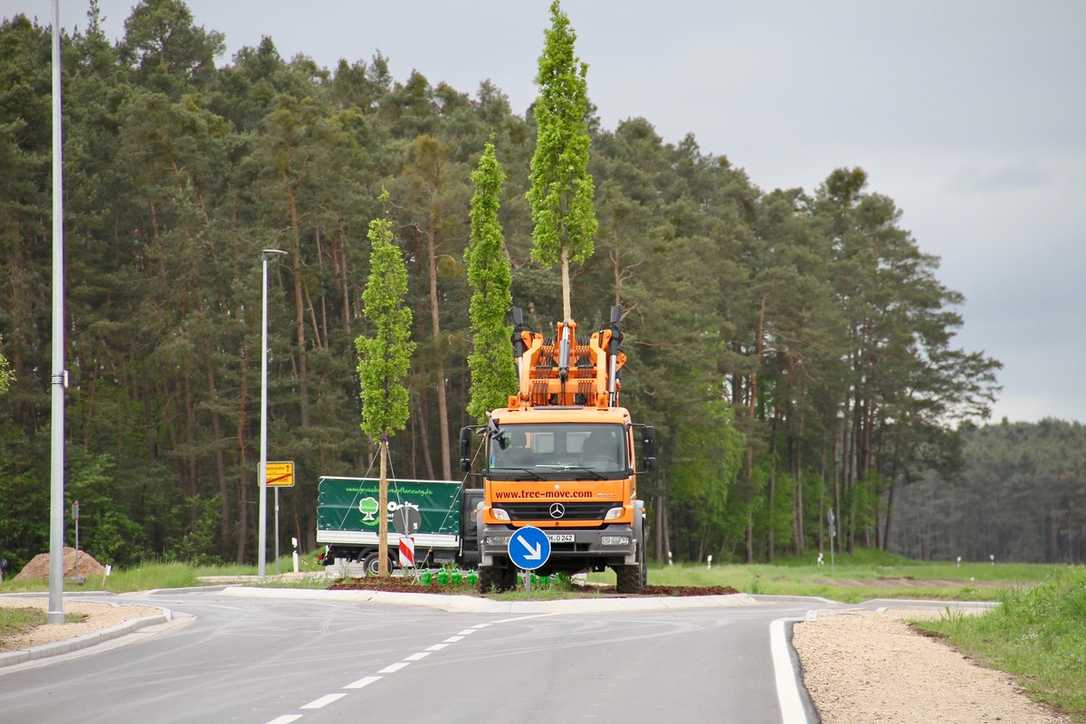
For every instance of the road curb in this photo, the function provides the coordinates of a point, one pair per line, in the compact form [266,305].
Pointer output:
[85,641]
[470,604]
[792,695]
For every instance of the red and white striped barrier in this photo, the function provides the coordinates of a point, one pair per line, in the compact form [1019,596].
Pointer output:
[407,551]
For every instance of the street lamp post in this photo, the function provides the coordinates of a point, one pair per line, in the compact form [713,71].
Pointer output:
[59,377]
[262,542]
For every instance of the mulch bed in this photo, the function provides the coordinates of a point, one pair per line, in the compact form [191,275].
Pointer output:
[398,585]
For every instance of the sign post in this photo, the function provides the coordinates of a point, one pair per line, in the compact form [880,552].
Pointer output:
[833,534]
[278,474]
[529,548]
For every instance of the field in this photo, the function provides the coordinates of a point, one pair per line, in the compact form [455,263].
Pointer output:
[1038,635]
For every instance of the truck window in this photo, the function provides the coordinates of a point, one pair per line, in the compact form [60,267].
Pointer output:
[560,451]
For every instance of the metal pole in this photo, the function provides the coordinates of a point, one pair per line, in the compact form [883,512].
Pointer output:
[262,538]
[56,466]
[277,530]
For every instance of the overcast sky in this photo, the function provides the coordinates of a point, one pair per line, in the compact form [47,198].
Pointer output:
[969,114]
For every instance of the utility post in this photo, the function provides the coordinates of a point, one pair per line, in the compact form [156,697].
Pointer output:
[59,376]
[262,537]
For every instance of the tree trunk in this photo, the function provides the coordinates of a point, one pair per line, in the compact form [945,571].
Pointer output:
[220,465]
[567,309]
[382,519]
[424,431]
[439,357]
[299,307]
[659,528]
[243,466]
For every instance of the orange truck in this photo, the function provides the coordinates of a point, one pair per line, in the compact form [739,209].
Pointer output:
[560,457]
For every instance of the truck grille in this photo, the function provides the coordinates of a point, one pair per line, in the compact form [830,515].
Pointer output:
[541,511]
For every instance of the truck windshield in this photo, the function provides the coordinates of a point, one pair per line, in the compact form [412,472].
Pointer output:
[559,451]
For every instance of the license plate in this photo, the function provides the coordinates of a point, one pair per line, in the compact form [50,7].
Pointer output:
[561,538]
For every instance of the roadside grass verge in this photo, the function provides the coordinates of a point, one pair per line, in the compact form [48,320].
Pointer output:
[17,621]
[155,574]
[1038,635]
[861,576]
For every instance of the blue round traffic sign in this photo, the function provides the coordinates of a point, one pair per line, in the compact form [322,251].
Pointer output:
[529,548]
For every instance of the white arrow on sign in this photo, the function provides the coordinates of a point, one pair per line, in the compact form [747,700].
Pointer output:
[534,554]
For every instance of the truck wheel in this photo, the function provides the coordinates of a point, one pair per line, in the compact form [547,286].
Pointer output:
[628,579]
[496,578]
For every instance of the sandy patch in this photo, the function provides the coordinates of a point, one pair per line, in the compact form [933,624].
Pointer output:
[869,667]
[99,616]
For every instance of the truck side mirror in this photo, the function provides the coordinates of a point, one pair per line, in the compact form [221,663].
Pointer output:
[465,449]
[648,446]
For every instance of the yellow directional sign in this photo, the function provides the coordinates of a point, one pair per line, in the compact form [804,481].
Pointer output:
[280,474]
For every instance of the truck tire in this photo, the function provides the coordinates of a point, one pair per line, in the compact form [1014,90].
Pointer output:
[628,579]
[496,578]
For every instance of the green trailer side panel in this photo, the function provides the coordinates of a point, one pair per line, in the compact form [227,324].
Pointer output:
[350,504]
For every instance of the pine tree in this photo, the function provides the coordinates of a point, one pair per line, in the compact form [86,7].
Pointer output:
[493,377]
[561,193]
[385,358]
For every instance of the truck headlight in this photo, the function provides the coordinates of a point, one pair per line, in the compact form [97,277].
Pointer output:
[615,540]
[499,513]
[614,513]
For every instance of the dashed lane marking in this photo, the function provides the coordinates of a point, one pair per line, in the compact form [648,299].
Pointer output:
[416,657]
[466,632]
[436,647]
[453,639]
[323,701]
[285,719]
[393,668]
[363,682]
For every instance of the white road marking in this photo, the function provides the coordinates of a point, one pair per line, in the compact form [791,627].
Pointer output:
[393,668]
[416,657]
[436,647]
[480,625]
[364,681]
[453,639]
[534,615]
[323,701]
[791,703]
[285,719]
[466,632]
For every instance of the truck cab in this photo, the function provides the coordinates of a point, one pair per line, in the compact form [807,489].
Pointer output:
[561,457]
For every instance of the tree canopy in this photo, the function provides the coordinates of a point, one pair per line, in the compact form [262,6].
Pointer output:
[794,347]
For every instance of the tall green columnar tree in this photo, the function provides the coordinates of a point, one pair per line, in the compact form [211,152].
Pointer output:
[563,218]
[493,377]
[385,358]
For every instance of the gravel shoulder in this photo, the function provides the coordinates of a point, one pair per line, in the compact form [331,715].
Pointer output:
[99,616]
[871,667]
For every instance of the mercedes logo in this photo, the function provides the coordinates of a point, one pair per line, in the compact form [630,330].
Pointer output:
[557,510]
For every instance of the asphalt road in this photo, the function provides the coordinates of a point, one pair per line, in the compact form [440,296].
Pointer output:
[264,660]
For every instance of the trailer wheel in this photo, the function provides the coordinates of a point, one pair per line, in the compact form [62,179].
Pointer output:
[372,564]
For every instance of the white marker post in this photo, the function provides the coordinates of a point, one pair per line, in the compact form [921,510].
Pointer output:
[294,543]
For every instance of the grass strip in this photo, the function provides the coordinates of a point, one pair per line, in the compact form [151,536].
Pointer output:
[1037,634]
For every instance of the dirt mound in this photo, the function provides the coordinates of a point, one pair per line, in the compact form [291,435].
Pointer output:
[38,568]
